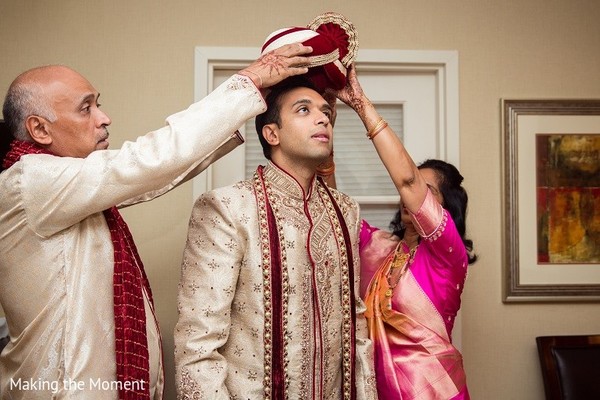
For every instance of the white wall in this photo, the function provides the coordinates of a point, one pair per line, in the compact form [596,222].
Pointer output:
[139,54]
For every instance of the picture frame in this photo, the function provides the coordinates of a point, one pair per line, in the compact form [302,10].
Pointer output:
[551,261]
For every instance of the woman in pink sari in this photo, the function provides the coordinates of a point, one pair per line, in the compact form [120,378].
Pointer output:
[412,279]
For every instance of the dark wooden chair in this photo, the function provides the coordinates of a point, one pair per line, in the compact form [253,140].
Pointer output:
[570,366]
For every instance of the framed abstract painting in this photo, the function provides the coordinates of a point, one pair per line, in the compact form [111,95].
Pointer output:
[551,192]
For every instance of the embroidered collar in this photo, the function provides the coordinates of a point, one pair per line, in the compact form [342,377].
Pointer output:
[287,184]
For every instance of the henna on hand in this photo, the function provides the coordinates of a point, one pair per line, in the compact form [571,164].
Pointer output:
[279,64]
[358,102]
[271,61]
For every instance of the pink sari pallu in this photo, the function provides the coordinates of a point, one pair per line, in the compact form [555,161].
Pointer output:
[413,360]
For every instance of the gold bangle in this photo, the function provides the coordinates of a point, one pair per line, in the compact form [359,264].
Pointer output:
[378,130]
[326,171]
[378,125]
[327,167]
[375,127]
[381,125]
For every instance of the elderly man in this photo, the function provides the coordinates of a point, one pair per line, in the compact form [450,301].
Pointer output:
[77,301]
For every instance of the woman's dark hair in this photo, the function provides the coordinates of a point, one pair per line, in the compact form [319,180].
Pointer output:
[455,201]
[273,113]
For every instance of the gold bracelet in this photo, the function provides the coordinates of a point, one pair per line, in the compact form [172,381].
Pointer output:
[375,127]
[327,167]
[378,130]
[328,171]
[381,125]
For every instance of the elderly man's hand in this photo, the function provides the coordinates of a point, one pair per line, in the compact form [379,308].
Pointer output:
[274,66]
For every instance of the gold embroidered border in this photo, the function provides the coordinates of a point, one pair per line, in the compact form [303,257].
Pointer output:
[347,26]
[347,325]
[315,61]
[262,197]
[285,285]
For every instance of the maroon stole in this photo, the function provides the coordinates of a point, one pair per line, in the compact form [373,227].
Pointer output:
[129,280]
[274,264]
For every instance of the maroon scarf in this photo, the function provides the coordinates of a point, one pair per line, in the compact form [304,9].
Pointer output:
[129,279]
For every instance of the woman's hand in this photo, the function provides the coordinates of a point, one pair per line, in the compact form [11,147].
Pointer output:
[352,94]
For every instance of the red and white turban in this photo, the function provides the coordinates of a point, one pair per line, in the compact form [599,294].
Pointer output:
[334,42]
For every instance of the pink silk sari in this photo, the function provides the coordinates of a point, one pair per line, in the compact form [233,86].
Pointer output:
[410,326]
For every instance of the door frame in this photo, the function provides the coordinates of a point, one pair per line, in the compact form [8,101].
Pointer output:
[443,64]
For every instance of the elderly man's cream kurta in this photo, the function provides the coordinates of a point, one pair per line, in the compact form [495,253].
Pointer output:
[227,344]
[56,268]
